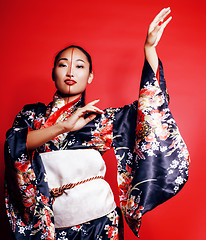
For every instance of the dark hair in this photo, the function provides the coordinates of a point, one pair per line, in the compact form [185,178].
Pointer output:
[81,49]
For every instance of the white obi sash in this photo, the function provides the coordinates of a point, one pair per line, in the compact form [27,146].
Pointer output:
[84,202]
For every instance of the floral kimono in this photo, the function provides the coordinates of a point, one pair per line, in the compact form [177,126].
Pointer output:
[152,161]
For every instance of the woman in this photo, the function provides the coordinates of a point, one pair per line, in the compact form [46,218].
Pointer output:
[55,187]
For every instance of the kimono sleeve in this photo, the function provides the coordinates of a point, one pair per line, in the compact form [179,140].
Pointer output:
[17,161]
[21,179]
[152,157]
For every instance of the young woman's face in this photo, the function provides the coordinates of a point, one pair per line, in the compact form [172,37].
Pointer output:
[71,72]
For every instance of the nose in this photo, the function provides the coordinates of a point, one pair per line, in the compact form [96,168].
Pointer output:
[70,75]
[70,72]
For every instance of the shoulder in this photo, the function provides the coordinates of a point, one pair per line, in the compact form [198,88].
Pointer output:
[34,107]
[29,112]
[125,108]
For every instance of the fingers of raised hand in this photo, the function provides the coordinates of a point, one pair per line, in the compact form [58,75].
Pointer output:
[158,21]
[91,108]
[162,15]
[166,22]
[93,102]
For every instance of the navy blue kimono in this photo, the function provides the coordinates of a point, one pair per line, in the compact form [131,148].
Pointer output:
[152,159]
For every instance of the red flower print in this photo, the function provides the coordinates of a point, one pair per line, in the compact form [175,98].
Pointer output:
[188,158]
[45,200]
[116,236]
[96,134]
[23,224]
[48,219]
[139,127]
[141,208]
[56,138]
[148,146]
[110,233]
[47,149]
[22,166]
[30,194]
[104,121]
[37,124]
[140,116]
[147,92]
[108,143]
[37,224]
[129,169]
[107,129]
[96,140]
[150,138]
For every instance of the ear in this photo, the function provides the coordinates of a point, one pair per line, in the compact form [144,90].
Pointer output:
[91,76]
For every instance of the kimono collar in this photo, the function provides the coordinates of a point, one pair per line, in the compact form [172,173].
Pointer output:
[61,111]
[59,103]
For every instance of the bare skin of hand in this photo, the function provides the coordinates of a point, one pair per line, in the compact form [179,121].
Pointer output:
[154,34]
[78,120]
[75,122]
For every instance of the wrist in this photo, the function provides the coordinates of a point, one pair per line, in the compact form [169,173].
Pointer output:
[60,127]
[151,56]
[149,48]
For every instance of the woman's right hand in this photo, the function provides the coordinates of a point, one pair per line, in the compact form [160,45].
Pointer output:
[77,120]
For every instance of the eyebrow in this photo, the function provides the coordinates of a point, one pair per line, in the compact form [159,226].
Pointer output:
[63,59]
[68,60]
[80,60]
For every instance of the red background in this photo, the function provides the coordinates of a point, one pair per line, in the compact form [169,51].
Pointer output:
[114,33]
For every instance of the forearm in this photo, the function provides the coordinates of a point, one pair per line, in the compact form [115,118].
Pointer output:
[151,56]
[36,138]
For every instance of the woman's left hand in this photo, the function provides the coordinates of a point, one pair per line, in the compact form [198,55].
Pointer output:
[154,34]
[157,27]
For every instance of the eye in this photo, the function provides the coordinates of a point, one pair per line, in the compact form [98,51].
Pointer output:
[62,65]
[80,66]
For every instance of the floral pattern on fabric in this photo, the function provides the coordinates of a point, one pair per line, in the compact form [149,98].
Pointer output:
[152,159]
[159,148]
[160,128]
[102,133]
[29,211]
[111,229]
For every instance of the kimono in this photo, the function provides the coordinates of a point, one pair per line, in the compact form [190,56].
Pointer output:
[152,159]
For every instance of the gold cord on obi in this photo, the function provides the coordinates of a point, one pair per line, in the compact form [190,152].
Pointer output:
[56,192]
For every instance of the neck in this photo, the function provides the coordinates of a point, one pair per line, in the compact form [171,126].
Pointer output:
[69,98]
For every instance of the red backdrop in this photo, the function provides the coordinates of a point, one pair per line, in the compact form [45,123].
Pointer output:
[114,33]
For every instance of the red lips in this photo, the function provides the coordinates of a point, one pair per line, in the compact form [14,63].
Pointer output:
[70,82]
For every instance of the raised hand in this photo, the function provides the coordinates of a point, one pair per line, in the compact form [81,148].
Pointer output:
[157,27]
[77,120]
[154,34]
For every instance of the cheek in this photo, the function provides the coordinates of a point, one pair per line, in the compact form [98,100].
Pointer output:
[58,74]
[84,76]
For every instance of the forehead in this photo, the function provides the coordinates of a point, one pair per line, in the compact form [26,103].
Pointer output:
[74,54]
